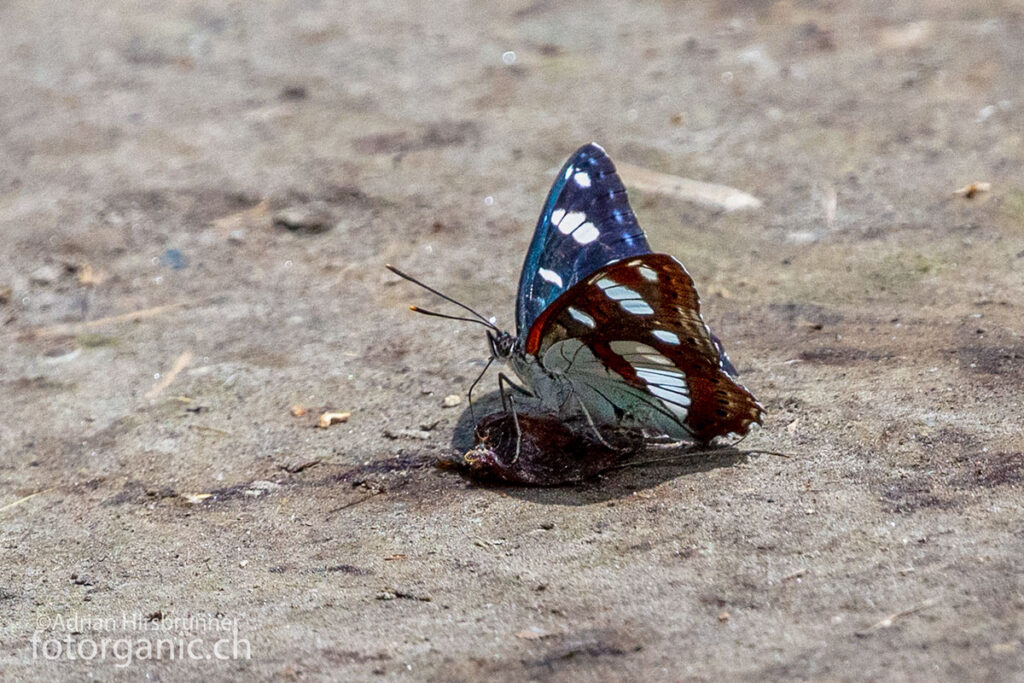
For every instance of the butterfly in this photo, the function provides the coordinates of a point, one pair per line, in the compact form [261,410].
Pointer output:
[607,328]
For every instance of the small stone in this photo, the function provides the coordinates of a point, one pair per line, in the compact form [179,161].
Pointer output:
[174,259]
[330,418]
[407,434]
[451,400]
[196,498]
[258,488]
[974,189]
[310,219]
[44,275]
[296,465]
[532,633]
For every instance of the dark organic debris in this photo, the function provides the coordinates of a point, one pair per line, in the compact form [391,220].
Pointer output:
[909,494]
[139,493]
[437,135]
[360,474]
[83,580]
[349,569]
[395,594]
[586,645]
[551,451]
[992,359]
[989,470]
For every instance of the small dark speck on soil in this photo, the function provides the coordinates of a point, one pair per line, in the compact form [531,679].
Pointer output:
[294,93]
[83,580]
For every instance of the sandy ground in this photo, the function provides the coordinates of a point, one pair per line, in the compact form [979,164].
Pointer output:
[159,323]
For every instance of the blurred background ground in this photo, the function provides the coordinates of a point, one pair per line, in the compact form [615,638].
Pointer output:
[196,202]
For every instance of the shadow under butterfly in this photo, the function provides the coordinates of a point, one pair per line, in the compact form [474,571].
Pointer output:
[610,343]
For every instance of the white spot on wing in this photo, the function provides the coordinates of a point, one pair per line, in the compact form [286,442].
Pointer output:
[636,306]
[581,317]
[586,233]
[665,378]
[552,277]
[624,348]
[557,215]
[571,221]
[619,292]
[666,336]
[649,354]
[648,274]
[628,298]
[582,179]
[674,401]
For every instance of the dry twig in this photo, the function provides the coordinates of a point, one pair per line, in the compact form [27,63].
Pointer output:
[709,194]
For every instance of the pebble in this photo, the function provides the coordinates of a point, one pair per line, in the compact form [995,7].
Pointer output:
[330,418]
[310,219]
[44,275]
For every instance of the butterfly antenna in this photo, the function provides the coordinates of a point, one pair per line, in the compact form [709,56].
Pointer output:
[417,309]
[477,317]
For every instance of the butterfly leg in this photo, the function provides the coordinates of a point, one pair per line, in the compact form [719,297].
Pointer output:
[593,425]
[590,421]
[507,401]
[469,394]
[504,379]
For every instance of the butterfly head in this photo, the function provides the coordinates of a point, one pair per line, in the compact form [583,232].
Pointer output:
[501,344]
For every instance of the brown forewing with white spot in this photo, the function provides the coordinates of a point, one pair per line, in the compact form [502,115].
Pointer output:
[640,317]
